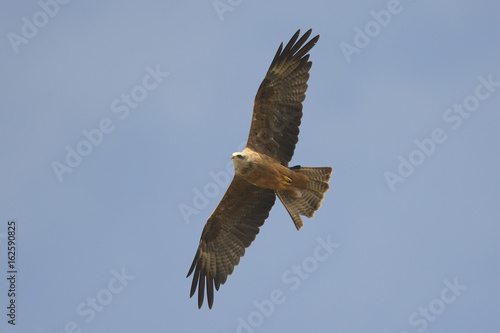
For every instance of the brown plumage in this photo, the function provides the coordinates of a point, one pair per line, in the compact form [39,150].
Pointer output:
[277,109]
[262,172]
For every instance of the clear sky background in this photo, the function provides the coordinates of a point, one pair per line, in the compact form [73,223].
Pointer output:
[403,103]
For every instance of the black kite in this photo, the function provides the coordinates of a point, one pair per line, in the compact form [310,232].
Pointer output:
[262,172]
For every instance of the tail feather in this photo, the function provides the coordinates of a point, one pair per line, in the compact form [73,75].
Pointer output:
[309,198]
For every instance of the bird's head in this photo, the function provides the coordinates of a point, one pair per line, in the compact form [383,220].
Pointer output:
[240,160]
[238,156]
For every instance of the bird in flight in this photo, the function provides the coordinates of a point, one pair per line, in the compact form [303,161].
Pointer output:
[261,172]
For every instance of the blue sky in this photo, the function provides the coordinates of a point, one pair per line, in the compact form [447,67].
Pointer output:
[118,117]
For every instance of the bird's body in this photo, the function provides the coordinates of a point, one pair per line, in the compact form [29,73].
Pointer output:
[265,172]
[262,172]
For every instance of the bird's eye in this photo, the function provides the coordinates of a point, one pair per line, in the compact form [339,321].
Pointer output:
[239,156]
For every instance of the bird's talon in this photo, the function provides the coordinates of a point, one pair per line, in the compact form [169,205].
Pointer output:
[287,180]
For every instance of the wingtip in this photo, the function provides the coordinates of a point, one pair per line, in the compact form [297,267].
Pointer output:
[315,39]
[201,291]
[309,32]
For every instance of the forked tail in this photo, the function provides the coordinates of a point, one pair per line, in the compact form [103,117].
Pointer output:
[309,198]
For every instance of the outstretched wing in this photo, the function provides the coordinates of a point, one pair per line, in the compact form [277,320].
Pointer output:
[230,229]
[278,104]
